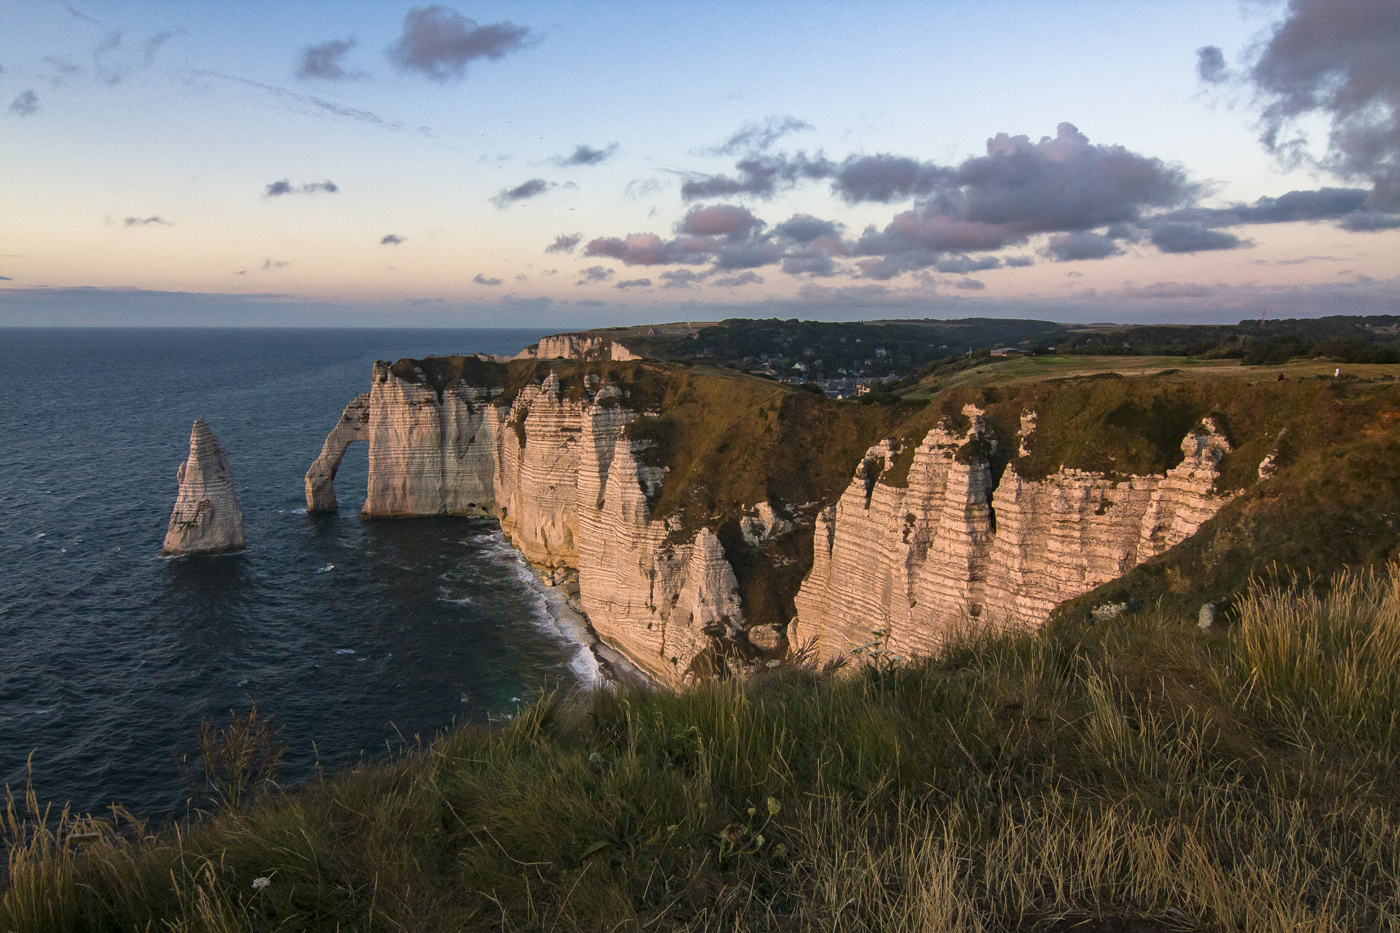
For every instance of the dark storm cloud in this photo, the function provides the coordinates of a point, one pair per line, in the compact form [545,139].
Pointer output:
[438,42]
[146,222]
[758,136]
[26,104]
[480,279]
[521,192]
[634,283]
[593,274]
[1173,237]
[279,188]
[564,243]
[1210,65]
[719,220]
[323,61]
[1068,247]
[586,155]
[391,239]
[1338,59]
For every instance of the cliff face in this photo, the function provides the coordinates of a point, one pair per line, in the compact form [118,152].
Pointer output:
[577,347]
[905,554]
[910,562]
[206,518]
[320,479]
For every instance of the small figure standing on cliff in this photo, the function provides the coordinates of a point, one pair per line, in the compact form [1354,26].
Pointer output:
[206,518]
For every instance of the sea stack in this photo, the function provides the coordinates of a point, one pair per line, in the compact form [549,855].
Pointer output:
[206,519]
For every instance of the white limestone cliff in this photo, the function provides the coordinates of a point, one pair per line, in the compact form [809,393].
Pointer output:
[574,493]
[912,562]
[320,479]
[577,347]
[206,518]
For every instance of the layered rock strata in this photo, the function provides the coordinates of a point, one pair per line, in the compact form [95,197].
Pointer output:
[206,518]
[320,479]
[577,347]
[574,494]
[902,565]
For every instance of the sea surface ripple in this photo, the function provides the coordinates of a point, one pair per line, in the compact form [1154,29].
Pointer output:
[355,635]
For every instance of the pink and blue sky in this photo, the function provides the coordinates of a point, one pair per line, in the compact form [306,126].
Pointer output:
[567,165]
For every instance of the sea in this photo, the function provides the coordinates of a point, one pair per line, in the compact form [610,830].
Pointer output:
[358,638]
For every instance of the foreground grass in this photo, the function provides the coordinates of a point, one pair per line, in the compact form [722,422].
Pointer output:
[1137,771]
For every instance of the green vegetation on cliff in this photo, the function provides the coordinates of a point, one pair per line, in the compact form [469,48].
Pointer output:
[1140,772]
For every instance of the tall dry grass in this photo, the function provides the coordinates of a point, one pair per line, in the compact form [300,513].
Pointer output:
[1133,771]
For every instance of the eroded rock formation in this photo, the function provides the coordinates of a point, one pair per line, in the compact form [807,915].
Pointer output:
[577,347]
[574,492]
[320,479]
[910,562]
[206,518]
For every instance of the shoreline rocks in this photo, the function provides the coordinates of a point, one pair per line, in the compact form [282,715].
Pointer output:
[206,518]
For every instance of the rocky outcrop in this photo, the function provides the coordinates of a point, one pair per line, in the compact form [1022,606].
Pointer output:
[906,557]
[206,518]
[320,479]
[909,563]
[577,347]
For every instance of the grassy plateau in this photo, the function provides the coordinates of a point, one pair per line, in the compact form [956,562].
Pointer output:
[1139,775]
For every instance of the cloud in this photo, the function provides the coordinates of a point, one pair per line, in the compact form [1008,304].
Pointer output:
[309,101]
[522,192]
[113,62]
[1172,237]
[969,285]
[1210,65]
[391,239]
[804,228]
[1321,204]
[681,278]
[5,278]
[586,155]
[1019,262]
[760,176]
[438,42]
[323,61]
[483,280]
[1339,60]
[146,222]
[1082,244]
[886,178]
[278,188]
[270,264]
[743,278]
[1370,222]
[634,283]
[26,104]
[638,188]
[963,264]
[593,274]
[719,220]
[758,136]
[564,243]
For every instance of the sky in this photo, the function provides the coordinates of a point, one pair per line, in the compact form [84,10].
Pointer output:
[574,165]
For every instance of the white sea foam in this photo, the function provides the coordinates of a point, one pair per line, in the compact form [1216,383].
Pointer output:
[326,569]
[553,615]
[298,511]
[345,651]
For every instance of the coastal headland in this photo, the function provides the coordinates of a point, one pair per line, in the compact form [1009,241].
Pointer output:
[707,520]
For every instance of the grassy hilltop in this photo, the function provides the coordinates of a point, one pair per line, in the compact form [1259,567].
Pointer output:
[1137,774]
[1140,776]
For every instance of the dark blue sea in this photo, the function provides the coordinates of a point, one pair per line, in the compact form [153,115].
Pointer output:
[354,635]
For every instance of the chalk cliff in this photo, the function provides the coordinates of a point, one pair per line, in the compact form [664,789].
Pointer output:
[206,518]
[320,479]
[905,555]
[911,561]
[577,347]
